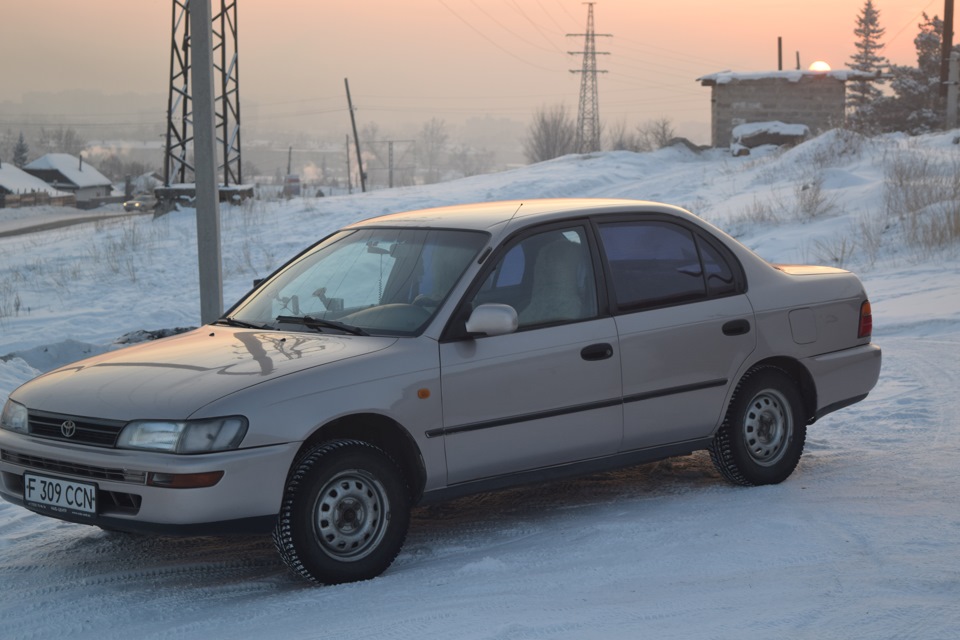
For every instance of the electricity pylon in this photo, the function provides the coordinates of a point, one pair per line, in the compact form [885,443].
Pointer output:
[588,114]
[176,162]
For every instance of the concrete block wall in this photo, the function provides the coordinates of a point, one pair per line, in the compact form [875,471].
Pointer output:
[814,100]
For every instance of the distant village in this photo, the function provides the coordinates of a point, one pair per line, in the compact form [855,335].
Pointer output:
[60,180]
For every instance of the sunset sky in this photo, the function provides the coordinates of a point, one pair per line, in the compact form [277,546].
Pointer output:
[416,59]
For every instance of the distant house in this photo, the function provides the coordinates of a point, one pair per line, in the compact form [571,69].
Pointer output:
[815,99]
[71,174]
[20,189]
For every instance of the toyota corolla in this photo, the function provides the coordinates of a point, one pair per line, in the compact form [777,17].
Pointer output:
[421,356]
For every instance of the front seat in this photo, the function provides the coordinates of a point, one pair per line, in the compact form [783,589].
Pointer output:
[559,285]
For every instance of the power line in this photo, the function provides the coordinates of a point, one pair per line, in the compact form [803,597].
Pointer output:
[493,42]
[911,21]
[509,30]
[536,26]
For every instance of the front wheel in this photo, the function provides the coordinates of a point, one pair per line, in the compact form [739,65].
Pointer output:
[344,515]
[762,437]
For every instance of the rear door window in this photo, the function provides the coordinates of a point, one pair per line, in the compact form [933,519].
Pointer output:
[652,263]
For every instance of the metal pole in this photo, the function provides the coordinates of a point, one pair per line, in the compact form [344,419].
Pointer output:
[390,156]
[166,158]
[953,88]
[205,154]
[349,179]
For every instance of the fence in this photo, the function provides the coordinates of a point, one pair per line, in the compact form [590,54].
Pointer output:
[36,199]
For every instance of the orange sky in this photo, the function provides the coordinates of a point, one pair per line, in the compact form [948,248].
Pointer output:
[411,60]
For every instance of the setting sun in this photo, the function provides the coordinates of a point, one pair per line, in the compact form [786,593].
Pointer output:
[819,65]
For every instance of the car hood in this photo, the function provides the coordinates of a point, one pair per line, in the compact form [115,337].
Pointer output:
[174,377]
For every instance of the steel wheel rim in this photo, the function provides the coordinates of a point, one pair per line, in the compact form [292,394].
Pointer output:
[350,515]
[767,427]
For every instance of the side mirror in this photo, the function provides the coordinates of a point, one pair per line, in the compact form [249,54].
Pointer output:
[492,320]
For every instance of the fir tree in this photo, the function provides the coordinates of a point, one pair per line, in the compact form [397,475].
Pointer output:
[862,92]
[916,106]
[20,151]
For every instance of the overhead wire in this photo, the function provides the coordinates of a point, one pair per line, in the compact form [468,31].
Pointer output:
[492,41]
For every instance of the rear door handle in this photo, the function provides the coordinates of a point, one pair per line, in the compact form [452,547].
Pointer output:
[736,327]
[600,351]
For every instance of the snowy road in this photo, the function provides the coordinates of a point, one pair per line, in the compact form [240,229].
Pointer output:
[861,542]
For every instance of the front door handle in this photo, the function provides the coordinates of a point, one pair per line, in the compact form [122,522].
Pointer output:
[600,351]
[736,327]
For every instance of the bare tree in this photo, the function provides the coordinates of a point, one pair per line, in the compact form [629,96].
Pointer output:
[430,146]
[619,138]
[654,134]
[552,134]
[469,161]
[62,140]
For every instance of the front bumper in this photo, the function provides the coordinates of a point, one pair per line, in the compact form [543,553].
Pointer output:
[246,499]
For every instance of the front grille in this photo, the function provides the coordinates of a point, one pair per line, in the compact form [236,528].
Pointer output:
[71,468]
[99,433]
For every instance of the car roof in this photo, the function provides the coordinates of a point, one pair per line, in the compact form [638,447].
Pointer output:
[486,215]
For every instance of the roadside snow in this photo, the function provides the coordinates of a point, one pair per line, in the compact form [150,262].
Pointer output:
[859,543]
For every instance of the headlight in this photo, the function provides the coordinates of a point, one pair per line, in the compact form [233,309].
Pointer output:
[14,417]
[193,436]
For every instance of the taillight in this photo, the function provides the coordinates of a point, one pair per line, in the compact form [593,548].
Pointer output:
[866,320]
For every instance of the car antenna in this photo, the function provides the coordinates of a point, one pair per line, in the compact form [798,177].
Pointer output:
[496,240]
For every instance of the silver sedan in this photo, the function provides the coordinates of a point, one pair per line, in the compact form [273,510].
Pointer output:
[422,356]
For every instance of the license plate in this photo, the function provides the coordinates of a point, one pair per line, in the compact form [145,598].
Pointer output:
[60,496]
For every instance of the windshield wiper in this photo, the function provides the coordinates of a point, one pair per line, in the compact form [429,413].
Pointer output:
[233,322]
[315,323]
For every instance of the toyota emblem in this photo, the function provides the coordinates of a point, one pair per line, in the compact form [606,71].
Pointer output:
[68,428]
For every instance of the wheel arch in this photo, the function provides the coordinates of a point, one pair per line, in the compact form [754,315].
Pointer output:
[803,378]
[382,432]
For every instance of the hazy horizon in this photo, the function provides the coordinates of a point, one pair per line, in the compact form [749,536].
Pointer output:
[409,62]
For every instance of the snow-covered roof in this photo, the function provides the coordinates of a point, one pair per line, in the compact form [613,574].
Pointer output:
[70,167]
[795,75]
[19,181]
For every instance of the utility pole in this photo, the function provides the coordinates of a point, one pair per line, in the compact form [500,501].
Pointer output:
[588,114]
[205,154]
[953,88]
[349,179]
[946,44]
[390,164]
[356,139]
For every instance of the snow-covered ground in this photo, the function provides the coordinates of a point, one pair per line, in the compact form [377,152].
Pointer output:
[861,542]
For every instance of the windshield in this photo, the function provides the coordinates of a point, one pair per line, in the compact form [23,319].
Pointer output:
[383,281]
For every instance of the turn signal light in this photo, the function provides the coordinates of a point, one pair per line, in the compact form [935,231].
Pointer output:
[184,480]
[866,320]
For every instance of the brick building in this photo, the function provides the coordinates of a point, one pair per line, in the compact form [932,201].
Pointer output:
[812,98]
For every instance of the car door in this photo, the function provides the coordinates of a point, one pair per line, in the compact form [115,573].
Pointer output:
[548,393]
[685,327]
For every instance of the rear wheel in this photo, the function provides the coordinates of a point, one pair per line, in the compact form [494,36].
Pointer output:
[345,513]
[762,437]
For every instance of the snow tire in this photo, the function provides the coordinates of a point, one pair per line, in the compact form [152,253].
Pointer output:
[344,515]
[763,434]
